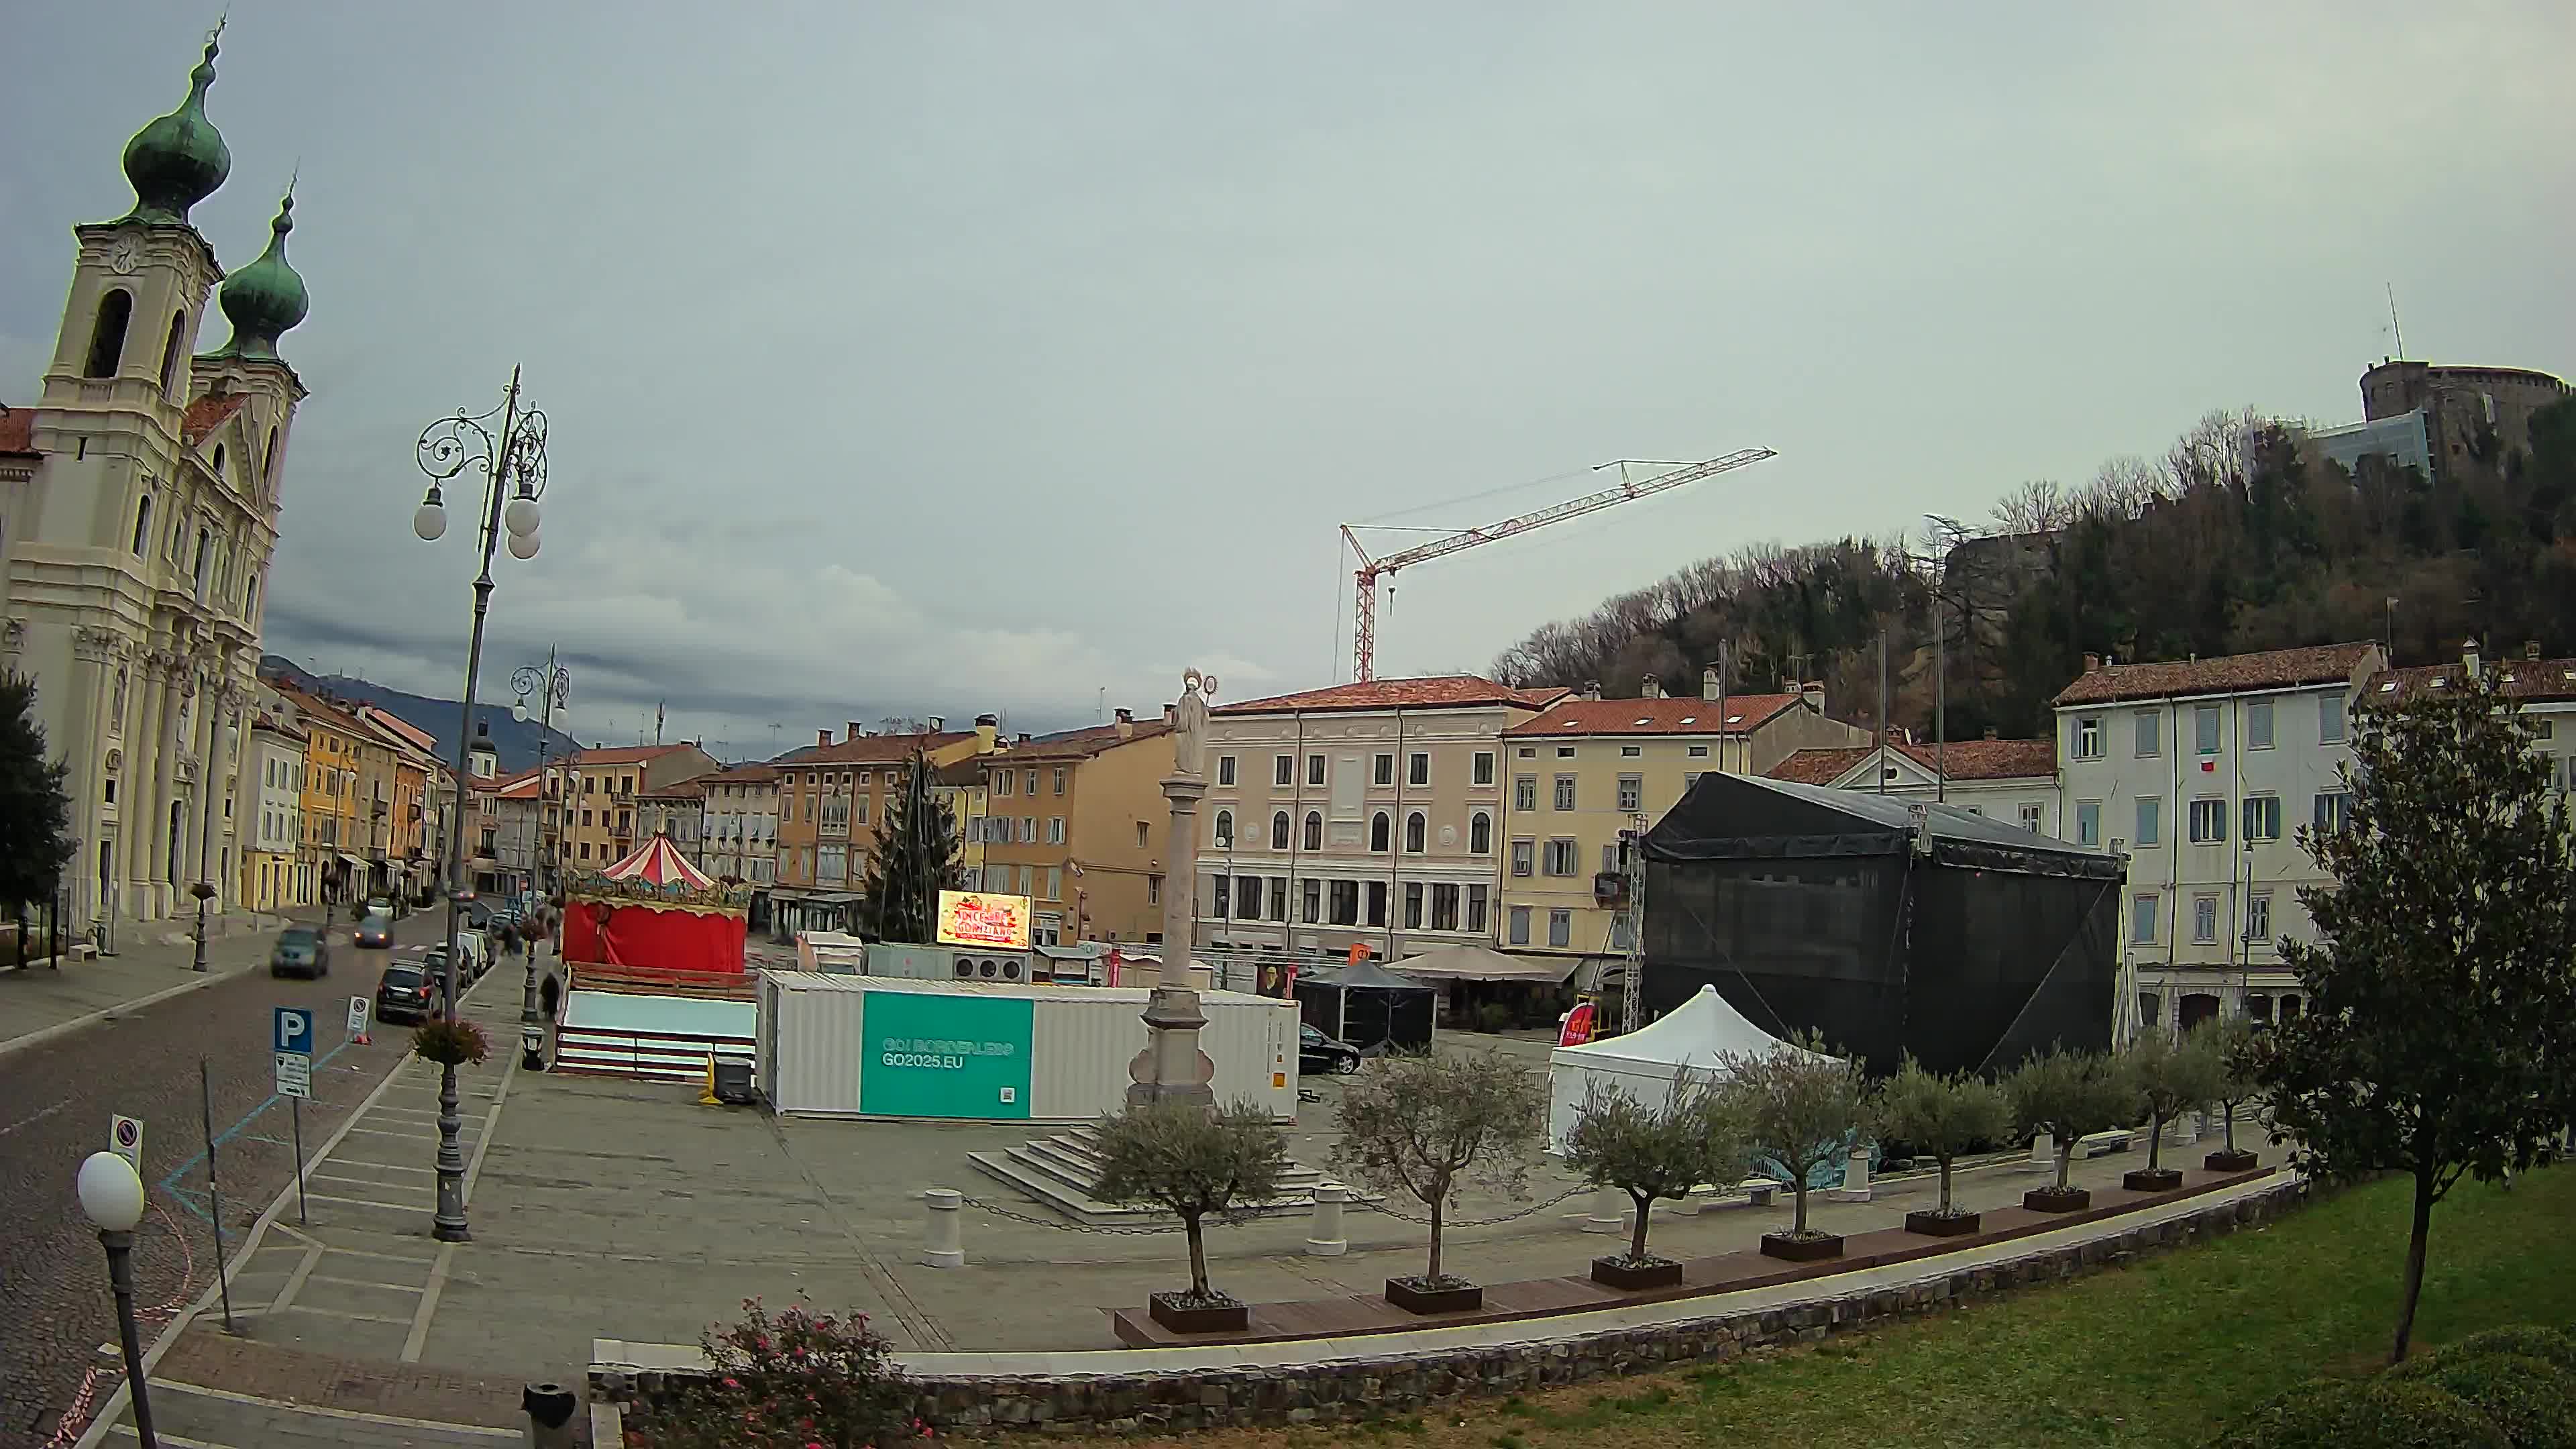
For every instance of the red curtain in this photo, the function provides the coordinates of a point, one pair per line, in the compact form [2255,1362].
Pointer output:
[640,936]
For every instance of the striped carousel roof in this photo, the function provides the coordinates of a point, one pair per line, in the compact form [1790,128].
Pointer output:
[658,863]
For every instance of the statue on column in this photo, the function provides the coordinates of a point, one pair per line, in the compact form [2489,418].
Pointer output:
[1189,723]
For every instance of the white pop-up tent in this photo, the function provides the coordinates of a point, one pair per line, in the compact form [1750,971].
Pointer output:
[1644,1063]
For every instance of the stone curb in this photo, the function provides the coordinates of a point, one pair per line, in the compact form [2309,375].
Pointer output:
[1372,1386]
[61,1029]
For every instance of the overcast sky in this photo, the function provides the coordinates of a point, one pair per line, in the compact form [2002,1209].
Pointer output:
[930,359]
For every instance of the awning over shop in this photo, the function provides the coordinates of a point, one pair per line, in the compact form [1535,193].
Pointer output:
[1477,963]
[353,862]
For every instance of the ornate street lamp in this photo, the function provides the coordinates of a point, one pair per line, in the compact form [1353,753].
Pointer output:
[552,684]
[111,1196]
[513,465]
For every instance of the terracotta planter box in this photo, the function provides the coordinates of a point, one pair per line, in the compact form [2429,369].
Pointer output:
[1936,1225]
[2239,1160]
[2152,1179]
[1634,1277]
[2057,1200]
[1409,1295]
[1801,1250]
[1181,1313]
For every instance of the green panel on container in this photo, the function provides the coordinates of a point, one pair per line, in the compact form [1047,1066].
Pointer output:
[936,1055]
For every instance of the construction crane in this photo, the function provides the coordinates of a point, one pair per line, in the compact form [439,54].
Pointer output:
[1364,630]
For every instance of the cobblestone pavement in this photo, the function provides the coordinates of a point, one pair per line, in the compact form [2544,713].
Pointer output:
[55,1100]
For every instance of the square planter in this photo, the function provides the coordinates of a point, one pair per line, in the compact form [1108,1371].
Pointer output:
[1449,1295]
[2152,1179]
[1621,1273]
[2057,1200]
[2238,1161]
[1802,1250]
[1941,1225]
[1185,1313]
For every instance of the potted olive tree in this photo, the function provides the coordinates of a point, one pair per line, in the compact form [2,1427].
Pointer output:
[1801,1107]
[2238,1051]
[1195,1165]
[1425,1126]
[2170,1078]
[1653,1154]
[1940,1117]
[2067,1095]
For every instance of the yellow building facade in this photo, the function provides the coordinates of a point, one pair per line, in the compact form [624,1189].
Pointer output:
[1077,822]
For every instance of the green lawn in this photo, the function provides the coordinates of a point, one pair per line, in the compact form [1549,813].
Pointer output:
[2159,1353]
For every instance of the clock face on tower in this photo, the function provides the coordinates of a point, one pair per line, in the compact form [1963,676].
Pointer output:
[126,253]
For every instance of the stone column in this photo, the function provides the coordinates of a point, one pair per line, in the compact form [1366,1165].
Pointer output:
[89,725]
[1171,1068]
[148,768]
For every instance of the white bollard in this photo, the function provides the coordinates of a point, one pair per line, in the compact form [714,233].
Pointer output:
[1324,1237]
[2043,1153]
[1855,1186]
[945,1247]
[1609,1212]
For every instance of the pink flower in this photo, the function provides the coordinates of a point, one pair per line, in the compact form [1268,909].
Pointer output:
[733,1383]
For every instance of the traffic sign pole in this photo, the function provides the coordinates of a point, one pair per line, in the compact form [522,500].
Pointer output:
[214,1190]
[296,1105]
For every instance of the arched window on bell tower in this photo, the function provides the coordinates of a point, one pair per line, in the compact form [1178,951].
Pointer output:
[107,337]
[170,353]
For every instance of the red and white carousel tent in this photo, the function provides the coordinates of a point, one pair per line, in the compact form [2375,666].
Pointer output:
[654,911]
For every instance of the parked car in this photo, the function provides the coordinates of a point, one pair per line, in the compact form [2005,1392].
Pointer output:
[405,993]
[375,932]
[1317,1052]
[300,951]
[478,953]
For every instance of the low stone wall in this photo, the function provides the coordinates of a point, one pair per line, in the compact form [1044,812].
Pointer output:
[1404,1382]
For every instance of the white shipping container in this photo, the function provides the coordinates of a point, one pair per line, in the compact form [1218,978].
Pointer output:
[814,1048]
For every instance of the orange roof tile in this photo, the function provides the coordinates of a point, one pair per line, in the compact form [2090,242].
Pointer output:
[623,754]
[876,749]
[1439,691]
[2227,674]
[1079,744]
[18,430]
[1962,759]
[1744,712]
[743,775]
[2526,679]
[208,413]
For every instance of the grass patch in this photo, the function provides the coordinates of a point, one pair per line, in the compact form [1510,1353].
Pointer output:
[2162,1352]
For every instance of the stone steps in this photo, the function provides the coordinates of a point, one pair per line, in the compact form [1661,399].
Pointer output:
[1063,1172]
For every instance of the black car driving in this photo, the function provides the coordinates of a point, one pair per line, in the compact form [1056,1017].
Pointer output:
[1317,1052]
[404,993]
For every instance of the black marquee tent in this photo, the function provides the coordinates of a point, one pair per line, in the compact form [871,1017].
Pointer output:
[1368,1006]
[1890,925]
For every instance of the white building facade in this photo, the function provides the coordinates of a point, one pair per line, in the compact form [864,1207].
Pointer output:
[740,827]
[138,508]
[2202,773]
[274,879]
[2008,780]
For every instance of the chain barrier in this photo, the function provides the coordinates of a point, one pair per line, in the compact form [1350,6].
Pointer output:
[1448,1223]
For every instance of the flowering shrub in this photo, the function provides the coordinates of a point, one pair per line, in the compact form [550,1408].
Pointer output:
[795,1379]
[450,1043]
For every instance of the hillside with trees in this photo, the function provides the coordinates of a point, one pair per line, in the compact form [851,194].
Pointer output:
[2240,537]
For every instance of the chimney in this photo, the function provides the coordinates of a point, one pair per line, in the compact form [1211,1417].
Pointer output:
[2469,656]
[1990,732]
[1653,688]
[1709,688]
[2531,649]
[1126,723]
[2092,663]
[822,737]
[988,733]
[1592,689]
[938,724]
[1171,714]
[1814,693]
[1024,737]
[855,731]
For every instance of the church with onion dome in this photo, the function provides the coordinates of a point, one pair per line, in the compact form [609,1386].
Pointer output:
[138,514]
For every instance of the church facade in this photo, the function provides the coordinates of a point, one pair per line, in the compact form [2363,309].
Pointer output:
[139,497]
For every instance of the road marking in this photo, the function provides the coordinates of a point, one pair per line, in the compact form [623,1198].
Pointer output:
[336,1313]
[382,1132]
[381,1257]
[168,1438]
[352,1181]
[360,1416]
[483,1139]
[394,1207]
[295,1281]
[31,1121]
[428,1306]
[337,1161]
[365,1283]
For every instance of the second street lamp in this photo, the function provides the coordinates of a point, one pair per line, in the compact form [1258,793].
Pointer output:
[553,684]
[513,466]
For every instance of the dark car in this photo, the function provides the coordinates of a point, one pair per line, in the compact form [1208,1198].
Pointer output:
[1317,1052]
[376,932]
[405,993]
[300,951]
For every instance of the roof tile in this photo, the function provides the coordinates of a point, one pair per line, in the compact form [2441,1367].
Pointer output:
[207,414]
[1961,759]
[2525,679]
[2227,674]
[1450,691]
[17,430]
[1668,716]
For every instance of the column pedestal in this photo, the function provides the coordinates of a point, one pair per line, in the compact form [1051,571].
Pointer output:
[1171,1068]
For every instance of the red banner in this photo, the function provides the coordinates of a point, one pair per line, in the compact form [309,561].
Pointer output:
[1578,1026]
